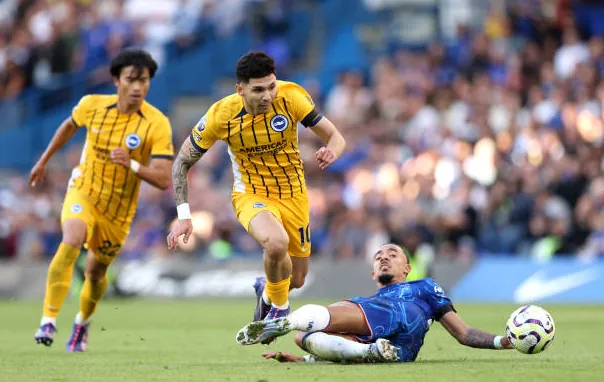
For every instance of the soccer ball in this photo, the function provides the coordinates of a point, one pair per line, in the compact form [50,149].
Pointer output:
[530,329]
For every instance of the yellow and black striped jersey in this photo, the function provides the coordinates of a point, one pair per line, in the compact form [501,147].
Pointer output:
[263,148]
[146,134]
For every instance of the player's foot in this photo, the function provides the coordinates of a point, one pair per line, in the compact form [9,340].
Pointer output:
[275,313]
[262,308]
[78,341]
[46,334]
[382,351]
[261,331]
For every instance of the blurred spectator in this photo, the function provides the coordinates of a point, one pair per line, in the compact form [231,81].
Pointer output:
[349,101]
[64,47]
[572,52]
[47,39]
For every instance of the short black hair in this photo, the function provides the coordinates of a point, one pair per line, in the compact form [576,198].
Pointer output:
[405,250]
[254,65]
[138,58]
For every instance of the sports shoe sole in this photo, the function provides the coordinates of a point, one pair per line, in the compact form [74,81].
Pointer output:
[259,331]
[46,341]
[387,351]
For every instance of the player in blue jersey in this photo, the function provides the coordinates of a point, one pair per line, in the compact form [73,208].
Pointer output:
[389,326]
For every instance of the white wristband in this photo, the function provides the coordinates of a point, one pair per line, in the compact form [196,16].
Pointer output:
[134,166]
[497,342]
[184,211]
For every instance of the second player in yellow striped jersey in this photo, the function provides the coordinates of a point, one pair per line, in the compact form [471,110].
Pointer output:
[145,134]
[264,147]
[127,141]
[260,123]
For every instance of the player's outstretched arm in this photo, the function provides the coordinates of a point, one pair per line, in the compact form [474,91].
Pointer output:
[63,134]
[335,142]
[282,356]
[187,157]
[468,336]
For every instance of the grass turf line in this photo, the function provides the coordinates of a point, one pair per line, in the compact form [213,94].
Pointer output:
[194,340]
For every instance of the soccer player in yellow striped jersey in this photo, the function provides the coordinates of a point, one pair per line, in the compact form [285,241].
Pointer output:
[260,125]
[127,141]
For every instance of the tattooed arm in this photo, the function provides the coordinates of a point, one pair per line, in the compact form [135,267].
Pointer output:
[186,158]
[469,336]
[478,339]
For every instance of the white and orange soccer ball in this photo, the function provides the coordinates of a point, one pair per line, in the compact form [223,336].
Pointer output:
[530,329]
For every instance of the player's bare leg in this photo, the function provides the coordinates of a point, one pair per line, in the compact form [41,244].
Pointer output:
[263,304]
[60,273]
[299,271]
[271,235]
[345,317]
[95,285]
[317,322]
[346,348]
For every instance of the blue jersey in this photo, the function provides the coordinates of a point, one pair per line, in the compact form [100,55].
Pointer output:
[403,313]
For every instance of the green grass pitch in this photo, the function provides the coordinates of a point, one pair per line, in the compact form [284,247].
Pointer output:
[194,340]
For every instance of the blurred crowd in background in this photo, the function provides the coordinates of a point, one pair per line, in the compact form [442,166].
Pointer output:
[489,142]
[43,41]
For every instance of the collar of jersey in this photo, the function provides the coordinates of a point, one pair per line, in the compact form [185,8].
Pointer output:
[241,113]
[139,112]
[391,286]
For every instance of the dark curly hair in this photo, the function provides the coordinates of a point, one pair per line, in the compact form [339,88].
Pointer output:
[254,65]
[138,58]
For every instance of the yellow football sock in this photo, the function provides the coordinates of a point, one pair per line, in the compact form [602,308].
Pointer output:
[278,292]
[58,282]
[92,293]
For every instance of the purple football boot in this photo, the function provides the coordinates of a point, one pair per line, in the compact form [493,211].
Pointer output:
[46,334]
[78,341]
[262,308]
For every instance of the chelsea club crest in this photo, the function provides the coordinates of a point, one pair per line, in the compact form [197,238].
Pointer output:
[279,123]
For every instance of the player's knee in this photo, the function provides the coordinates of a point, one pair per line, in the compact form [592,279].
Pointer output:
[74,242]
[276,245]
[96,272]
[74,233]
[299,338]
[96,275]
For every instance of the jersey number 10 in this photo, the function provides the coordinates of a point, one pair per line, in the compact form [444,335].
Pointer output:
[302,231]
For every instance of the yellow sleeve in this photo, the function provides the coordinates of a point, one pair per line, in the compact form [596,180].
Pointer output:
[205,132]
[162,141]
[78,114]
[303,106]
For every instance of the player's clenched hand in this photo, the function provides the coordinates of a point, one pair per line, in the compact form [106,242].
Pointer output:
[37,173]
[325,157]
[182,227]
[506,343]
[283,356]
[120,156]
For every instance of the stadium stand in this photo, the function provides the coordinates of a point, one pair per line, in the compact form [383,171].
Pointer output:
[479,135]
